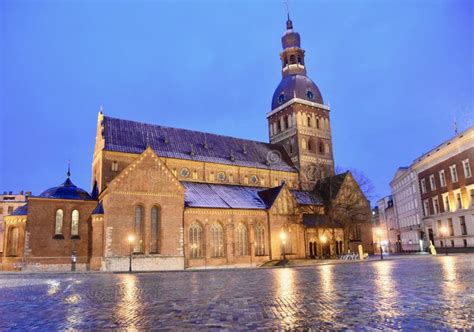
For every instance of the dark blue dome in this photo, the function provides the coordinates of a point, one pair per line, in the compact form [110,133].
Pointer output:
[296,86]
[66,190]
[291,39]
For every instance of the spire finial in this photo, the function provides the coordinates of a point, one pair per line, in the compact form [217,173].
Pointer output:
[289,23]
[68,169]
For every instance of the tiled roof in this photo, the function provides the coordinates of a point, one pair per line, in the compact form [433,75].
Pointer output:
[134,137]
[20,211]
[99,209]
[307,197]
[66,190]
[205,195]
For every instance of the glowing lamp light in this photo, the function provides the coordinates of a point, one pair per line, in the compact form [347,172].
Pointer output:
[323,239]
[378,232]
[131,238]
[444,230]
[282,235]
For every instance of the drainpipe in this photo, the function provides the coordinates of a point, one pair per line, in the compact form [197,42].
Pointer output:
[269,235]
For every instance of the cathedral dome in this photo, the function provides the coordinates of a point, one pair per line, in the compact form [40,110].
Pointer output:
[296,86]
[66,190]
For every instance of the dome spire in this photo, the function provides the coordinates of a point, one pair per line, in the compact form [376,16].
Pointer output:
[68,169]
[289,23]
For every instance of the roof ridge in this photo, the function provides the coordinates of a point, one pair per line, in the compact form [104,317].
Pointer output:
[191,130]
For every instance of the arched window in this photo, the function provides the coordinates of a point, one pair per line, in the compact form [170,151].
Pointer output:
[321,148]
[303,143]
[308,121]
[317,123]
[217,240]
[278,126]
[139,229]
[287,122]
[310,145]
[195,240]
[292,59]
[114,166]
[242,240]
[75,223]
[58,225]
[155,230]
[12,244]
[259,240]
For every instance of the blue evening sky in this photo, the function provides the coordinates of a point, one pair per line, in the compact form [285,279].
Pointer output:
[396,74]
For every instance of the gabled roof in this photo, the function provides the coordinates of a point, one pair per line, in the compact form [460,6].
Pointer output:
[133,137]
[306,197]
[330,185]
[205,195]
[270,195]
[99,209]
[20,211]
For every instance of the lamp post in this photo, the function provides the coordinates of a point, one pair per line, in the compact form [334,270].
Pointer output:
[131,240]
[378,232]
[283,242]
[444,232]
[323,240]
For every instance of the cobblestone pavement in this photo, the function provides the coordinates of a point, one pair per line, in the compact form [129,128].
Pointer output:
[413,294]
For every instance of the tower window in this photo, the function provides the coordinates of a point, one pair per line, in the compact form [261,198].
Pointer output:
[321,148]
[310,95]
[287,123]
[281,98]
[292,59]
[317,123]
[308,121]
[299,60]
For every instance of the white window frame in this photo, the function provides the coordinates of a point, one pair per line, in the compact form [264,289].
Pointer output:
[432,182]
[426,207]
[454,175]
[435,205]
[442,178]
[423,186]
[466,166]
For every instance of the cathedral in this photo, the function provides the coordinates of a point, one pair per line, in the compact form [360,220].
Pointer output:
[167,199]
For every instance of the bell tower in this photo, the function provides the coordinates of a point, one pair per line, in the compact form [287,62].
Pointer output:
[299,119]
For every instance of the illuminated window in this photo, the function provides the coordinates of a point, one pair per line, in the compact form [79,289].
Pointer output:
[195,240]
[217,240]
[139,225]
[242,240]
[259,240]
[155,230]
[114,166]
[75,223]
[58,226]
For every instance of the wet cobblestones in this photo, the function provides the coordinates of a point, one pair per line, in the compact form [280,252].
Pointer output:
[418,293]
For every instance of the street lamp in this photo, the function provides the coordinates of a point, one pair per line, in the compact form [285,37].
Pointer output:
[444,232]
[131,240]
[378,232]
[283,242]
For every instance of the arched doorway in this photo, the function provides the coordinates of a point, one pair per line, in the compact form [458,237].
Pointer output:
[12,242]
